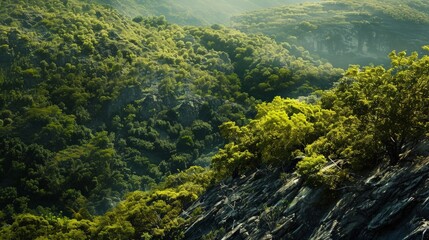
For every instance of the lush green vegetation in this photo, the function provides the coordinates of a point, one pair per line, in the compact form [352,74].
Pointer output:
[94,105]
[151,214]
[106,123]
[371,114]
[345,31]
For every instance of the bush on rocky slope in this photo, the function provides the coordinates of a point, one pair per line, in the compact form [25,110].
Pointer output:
[372,113]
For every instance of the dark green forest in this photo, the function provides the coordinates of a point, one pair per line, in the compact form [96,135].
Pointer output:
[111,125]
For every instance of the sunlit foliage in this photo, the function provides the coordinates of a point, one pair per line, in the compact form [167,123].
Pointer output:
[371,114]
[94,105]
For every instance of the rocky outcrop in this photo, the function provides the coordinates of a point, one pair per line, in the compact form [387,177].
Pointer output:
[363,43]
[392,202]
[189,110]
[127,95]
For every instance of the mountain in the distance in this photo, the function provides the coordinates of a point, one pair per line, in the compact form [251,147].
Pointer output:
[345,31]
[194,12]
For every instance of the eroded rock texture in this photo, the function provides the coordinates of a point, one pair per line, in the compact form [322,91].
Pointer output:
[389,203]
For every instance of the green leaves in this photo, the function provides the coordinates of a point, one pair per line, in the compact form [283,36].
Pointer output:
[280,131]
[311,165]
[373,112]
[280,134]
[152,214]
[156,213]
[391,105]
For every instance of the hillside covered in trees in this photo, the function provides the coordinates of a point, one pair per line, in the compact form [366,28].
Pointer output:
[111,127]
[345,31]
[193,12]
[94,105]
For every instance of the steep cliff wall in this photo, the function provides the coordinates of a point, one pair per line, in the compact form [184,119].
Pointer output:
[345,31]
[363,43]
[388,203]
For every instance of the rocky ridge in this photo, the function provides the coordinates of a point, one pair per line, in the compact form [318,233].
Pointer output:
[391,202]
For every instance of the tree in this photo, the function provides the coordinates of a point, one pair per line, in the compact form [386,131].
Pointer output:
[391,105]
[280,132]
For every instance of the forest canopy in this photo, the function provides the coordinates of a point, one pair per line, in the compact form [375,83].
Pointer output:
[94,105]
[110,127]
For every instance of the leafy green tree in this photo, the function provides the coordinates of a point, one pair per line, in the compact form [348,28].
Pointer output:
[391,105]
[156,214]
[28,226]
[279,133]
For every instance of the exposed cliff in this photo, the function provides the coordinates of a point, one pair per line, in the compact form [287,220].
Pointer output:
[345,31]
[387,203]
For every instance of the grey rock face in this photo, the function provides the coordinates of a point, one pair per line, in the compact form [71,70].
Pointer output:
[363,43]
[188,111]
[127,95]
[389,203]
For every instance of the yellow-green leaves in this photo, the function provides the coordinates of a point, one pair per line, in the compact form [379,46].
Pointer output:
[373,111]
[279,135]
[391,105]
[311,165]
[281,129]
[155,214]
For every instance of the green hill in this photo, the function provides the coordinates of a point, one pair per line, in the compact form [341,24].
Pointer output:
[108,126]
[193,12]
[94,105]
[345,31]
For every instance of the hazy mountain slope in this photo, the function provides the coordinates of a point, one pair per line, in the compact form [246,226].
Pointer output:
[345,31]
[193,12]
